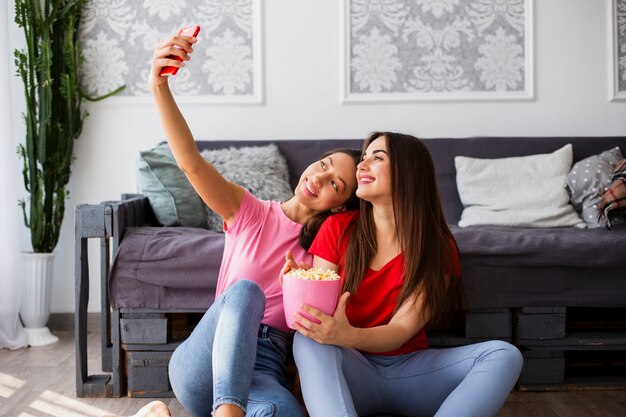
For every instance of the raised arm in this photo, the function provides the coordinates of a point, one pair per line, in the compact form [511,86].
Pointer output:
[221,195]
[337,330]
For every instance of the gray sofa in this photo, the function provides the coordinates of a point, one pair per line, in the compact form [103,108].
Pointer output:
[551,291]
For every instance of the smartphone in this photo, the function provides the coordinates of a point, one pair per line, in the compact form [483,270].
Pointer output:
[186,31]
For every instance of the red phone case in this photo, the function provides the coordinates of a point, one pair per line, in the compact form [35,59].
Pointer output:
[186,31]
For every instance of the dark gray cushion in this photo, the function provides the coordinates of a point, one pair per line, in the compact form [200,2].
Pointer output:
[587,181]
[543,247]
[166,267]
[514,267]
[177,267]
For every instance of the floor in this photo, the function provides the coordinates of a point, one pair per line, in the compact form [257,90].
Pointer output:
[41,382]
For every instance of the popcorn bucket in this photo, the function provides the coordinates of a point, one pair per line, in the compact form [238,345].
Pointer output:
[321,294]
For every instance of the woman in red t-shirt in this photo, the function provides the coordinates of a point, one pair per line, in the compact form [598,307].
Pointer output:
[400,270]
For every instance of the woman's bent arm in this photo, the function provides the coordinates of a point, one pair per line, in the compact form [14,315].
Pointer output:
[410,318]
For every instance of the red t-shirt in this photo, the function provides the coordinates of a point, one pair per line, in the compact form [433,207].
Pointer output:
[375,300]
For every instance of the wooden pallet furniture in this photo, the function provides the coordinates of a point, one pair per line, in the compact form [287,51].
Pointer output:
[572,348]
[107,222]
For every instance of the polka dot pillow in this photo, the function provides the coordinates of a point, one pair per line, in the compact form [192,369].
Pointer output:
[588,180]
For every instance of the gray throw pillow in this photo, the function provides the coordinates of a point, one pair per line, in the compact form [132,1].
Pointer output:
[588,180]
[173,199]
[262,170]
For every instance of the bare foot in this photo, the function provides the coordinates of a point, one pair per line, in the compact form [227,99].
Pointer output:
[153,409]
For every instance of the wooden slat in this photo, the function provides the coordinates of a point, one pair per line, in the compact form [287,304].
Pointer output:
[581,341]
[489,324]
[540,325]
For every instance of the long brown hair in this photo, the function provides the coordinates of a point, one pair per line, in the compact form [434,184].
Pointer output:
[424,236]
[312,226]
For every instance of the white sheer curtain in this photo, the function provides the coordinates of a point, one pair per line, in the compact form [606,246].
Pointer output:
[12,334]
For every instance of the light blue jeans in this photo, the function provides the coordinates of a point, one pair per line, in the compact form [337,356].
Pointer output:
[230,358]
[466,381]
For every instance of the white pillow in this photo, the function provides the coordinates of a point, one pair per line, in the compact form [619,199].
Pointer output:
[527,191]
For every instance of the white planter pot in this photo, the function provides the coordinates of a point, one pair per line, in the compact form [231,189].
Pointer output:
[35,299]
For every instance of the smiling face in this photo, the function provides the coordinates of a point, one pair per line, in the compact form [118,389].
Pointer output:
[374,172]
[327,183]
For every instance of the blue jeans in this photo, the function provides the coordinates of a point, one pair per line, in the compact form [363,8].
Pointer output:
[230,358]
[466,381]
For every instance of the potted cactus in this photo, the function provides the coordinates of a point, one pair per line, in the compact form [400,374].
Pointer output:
[49,68]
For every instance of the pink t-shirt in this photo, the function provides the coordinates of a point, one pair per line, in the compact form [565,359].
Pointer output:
[256,243]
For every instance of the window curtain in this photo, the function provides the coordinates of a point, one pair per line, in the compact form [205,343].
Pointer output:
[12,334]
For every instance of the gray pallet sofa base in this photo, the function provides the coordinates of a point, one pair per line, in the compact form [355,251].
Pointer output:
[521,283]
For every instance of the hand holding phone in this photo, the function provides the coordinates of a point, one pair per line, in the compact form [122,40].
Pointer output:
[186,31]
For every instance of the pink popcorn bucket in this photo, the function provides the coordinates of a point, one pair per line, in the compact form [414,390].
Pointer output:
[322,295]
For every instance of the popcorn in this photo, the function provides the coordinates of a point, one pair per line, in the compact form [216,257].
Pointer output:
[313,274]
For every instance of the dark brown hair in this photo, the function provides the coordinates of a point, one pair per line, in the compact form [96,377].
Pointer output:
[421,228]
[312,226]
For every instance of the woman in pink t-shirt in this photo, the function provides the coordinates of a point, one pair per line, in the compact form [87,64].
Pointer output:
[400,269]
[233,362]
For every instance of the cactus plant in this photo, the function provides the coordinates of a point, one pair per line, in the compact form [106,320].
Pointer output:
[49,69]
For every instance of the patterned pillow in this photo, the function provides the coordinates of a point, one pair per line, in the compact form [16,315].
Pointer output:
[262,170]
[612,206]
[588,180]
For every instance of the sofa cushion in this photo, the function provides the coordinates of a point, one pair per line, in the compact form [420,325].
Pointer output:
[523,191]
[514,267]
[444,150]
[166,267]
[173,199]
[300,153]
[262,170]
[587,180]
[542,247]
[177,267]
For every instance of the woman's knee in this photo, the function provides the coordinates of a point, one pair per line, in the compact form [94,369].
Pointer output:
[510,355]
[245,293]
[513,354]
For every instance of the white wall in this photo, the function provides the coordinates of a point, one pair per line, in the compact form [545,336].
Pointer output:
[302,82]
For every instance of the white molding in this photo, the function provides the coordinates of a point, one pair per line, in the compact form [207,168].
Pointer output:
[526,95]
[344,59]
[614,93]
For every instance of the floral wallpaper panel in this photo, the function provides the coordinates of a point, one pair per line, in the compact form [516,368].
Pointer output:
[119,36]
[620,45]
[438,48]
